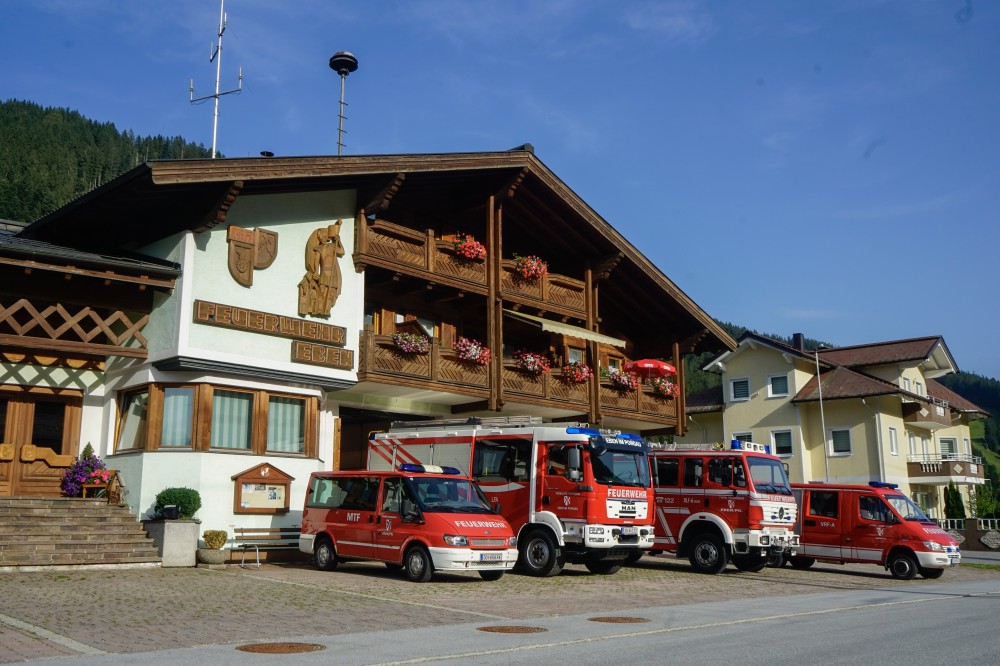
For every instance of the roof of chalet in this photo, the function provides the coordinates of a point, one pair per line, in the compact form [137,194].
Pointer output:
[840,382]
[159,199]
[938,390]
[25,254]
[930,351]
[705,401]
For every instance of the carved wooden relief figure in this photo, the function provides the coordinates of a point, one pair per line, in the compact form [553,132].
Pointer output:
[320,286]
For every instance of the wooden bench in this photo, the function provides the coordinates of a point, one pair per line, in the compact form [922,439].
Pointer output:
[265,538]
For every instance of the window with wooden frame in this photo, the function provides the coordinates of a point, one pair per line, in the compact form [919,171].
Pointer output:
[222,419]
[47,418]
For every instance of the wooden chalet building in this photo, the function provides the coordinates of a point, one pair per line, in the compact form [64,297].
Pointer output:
[242,315]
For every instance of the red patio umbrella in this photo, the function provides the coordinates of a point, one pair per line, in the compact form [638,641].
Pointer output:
[649,367]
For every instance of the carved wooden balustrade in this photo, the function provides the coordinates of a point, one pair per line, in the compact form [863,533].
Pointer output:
[543,389]
[552,292]
[391,246]
[439,369]
[642,402]
[72,328]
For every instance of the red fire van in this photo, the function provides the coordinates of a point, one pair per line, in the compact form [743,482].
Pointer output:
[874,523]
[419,518]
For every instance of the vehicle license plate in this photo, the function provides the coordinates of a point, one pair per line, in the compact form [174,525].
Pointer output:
[630,531]
[952,560]
[490,557]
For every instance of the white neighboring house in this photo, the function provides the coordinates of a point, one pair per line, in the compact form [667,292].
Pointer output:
[878,413]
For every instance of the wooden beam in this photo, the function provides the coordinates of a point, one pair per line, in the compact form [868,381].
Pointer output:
[384,197]
[106,276]
[220,212]
[81,348]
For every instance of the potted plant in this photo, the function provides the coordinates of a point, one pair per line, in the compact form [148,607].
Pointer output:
[663,387]
[212,554]
[411,343]
[576,372]
[620,380]
[529,268]
[87,468]
[469,248]
[531,363]
[176,538]
[473,351]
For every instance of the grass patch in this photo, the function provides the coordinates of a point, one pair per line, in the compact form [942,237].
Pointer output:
[993,567]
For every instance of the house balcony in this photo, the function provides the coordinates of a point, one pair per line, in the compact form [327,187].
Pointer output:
[641,405]
[421,254]
[439,371]
[552,292]
[439,376]
[940,469]
[927,416]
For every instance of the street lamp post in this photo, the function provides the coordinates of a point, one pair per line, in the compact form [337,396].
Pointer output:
[822,419]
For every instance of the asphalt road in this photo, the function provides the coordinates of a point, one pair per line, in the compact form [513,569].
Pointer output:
[658,612]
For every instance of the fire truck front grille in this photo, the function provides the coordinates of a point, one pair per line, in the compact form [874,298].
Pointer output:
[487,543]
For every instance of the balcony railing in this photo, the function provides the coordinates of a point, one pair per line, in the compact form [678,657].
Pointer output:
[641,403]
[439,369]
[398,248]
[940,468]
[553,292]
[549,388]
[932,416]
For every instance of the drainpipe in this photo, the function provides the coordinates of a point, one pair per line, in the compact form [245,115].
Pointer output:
[878,437]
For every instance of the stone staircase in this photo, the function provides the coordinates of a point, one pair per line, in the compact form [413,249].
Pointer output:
[41,532]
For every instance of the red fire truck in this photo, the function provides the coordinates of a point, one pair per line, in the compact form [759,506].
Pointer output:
[571,493]
[716,505]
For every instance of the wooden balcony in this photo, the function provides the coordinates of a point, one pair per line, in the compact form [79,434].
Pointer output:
[397,248]
[553,292]
[927,416]
[549,390]
[642,404]
[438,370]
[940,469]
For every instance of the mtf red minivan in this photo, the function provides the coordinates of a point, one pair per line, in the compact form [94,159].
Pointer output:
[419,518]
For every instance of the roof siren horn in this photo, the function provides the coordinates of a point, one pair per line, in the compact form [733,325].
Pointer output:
[342,62]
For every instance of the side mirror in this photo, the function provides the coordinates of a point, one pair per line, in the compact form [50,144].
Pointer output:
[497,508]
[408,511]
[573,464]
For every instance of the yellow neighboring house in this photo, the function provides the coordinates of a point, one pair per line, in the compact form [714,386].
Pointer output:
[878,413]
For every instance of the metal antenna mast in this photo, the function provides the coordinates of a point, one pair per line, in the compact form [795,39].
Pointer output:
[217,58]
[342,62]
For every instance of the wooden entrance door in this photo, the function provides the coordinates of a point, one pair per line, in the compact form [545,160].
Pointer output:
[40,439]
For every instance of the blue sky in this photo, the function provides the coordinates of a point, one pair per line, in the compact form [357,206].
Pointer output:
[830,168]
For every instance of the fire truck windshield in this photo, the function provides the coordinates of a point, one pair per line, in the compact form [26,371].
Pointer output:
[768,476]
[905,507]
[620,468]
[448,495]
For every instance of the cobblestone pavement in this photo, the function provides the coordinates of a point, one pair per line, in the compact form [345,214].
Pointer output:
[61,613]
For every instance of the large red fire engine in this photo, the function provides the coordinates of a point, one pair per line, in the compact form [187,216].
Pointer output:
[716,505]
[570,492]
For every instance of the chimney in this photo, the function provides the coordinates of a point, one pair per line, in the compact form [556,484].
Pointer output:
[799,341]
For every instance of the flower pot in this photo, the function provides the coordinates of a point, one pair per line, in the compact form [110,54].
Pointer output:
[211,556]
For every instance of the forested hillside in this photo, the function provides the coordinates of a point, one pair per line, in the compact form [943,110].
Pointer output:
[51,156]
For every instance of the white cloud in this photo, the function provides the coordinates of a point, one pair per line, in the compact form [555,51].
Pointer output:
[676,21]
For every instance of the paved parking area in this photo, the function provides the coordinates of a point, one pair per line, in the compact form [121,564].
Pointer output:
[60,613]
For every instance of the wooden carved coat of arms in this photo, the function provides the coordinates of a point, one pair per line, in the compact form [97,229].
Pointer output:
[250,249]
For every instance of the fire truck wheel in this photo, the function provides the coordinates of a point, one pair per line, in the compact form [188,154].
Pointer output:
[604,568]
[799,562]
[418,566]
[634,557]
[707,553]
[325,556]
[539,554]
[932,574]
[902,566]
[775,560]
[491,575]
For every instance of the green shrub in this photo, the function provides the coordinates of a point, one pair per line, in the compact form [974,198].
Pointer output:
[188,501]
[215,539]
